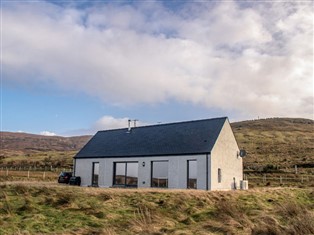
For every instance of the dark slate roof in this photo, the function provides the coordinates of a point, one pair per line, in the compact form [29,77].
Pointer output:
[192,137]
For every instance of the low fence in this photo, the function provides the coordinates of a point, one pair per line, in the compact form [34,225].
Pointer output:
[270,168]
[30,173]
[280,180]
[34,168]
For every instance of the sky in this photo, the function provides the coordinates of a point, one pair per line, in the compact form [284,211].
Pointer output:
[76,67]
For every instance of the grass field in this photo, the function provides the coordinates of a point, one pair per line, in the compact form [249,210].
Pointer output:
[6,176]
[48,208]
[49,158]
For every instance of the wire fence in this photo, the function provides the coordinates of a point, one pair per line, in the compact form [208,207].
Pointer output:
[307,168]
[30,173]
[34,168]
[280,179]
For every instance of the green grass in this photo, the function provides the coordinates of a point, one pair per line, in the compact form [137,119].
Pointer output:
[33,208]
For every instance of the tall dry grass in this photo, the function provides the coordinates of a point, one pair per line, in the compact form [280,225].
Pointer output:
[59,209]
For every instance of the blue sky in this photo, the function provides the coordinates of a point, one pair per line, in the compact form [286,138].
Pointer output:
[72,68]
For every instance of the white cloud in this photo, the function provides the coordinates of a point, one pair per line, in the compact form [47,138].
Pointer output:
[106,123]
[255,60]
[47,133]
[109,122]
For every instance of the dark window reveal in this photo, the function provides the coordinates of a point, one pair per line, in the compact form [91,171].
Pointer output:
[219,175]
[95,175]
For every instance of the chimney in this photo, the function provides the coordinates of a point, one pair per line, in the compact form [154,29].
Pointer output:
[129,125]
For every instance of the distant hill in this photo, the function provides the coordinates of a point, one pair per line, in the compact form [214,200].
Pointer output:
[277,141]
[22,149]
[282,142]
[26,143]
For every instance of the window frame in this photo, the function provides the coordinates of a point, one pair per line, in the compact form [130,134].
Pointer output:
[94,183]
[125,175]
[188,174]
[152,174]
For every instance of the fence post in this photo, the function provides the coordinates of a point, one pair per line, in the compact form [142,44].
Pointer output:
[280,179]
[7,172]
[28,174]
[44,175]
[302,179]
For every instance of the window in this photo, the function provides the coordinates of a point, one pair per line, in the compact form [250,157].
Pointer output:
[95,175]
[131,174]
[219,175]
[119,177]
[126,174]
[192,174]
[160,174]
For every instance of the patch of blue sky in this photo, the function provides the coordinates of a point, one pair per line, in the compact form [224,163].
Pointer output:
[233,50]
[35,111]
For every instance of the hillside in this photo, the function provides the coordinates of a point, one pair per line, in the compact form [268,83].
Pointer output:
[282,142]
[30,149]
[26,143]
[273,142]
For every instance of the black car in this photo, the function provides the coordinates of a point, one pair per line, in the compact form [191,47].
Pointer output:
[75,180]
[64,177]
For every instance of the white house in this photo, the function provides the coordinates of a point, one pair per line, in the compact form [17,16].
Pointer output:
[200,154]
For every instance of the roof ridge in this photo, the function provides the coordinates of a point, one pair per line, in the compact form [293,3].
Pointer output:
[166,124]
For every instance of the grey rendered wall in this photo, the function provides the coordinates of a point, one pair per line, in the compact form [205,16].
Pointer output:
[177,170]
[224,156]
[83,168]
